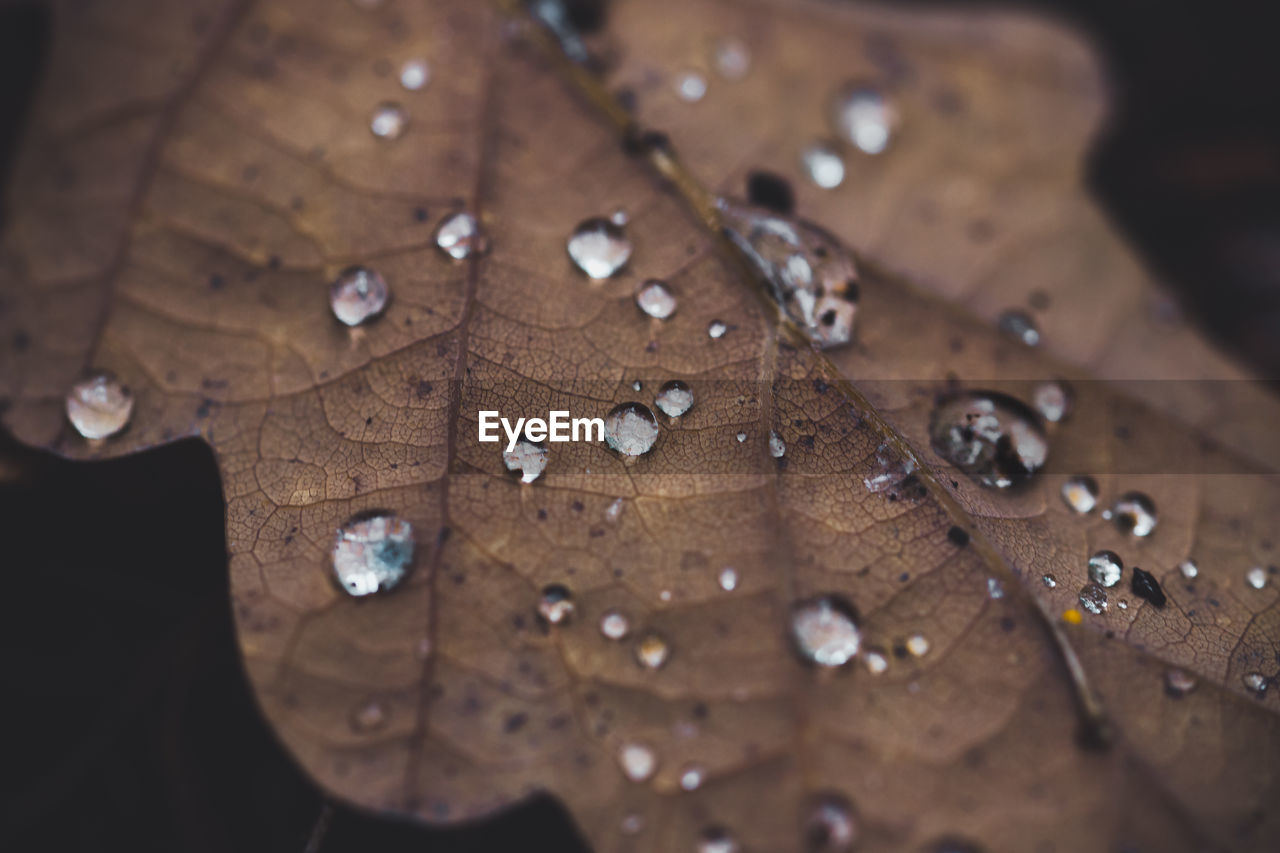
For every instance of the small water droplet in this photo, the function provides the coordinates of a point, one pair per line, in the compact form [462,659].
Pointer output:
[637,761]
[825,630]
[372,553]
[631,429]
[1189,569]
[830,826]
[691,86]
[1018,324]
[891,471]
[731,58]
[415,74]
[728,579]
[674,398]
[716,329]
[615,625]
[1256,682]
[460,236]
[389,121]
[369,717]
[556,604]
[992,437]
[1178,682]
[741,437]
[918,645]
[1122,604]
[358,295]
[1053,400]
[528,458]
[863,116]
[620,217]
[1080,493]
[615,509]
[691,777]
[1135,513]
[994,588]
[599,247]
[655,299]
[99,406]
[632,824]
[777,447]
[823,165]
[1093,598]
[1049,581]
[717,840]
[652,651]
[1106,567]
[876,662]
[637,385]
[1256,577]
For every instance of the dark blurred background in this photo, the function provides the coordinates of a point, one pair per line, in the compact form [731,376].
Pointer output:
[130,724]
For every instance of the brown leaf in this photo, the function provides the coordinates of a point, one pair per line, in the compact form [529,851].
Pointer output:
[195,178]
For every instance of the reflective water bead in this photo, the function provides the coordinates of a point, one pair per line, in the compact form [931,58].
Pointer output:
[1106,567]
[992,437]
[674,398]
[876,662]
[728,579]
[1256,577]
[459,236]
[731,58]
[528,458]
[637,761]
[655,299]
[918,645]
[632,824]
[691,86]
[1080,493]
[358,295]
[1053,400]
[1049,581]
[415,74]
[717,840]
[830,826]
[825,630]
[1189,569]
[1256,682]
[615,509]
[1093,598]
[777,447]
[369,717]
[823,165]
[863,116]
[1135,513]
[631,429]
[691,777]
[389,121]
[716,329]
[620,217]
[741,437]
[615,625]
[652,651]
[99,406]
[1019,324]
[599,247]
[637,385]
[556,604]
[372,553]
[994,588]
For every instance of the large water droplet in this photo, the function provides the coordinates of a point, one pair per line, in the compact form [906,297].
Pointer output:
[691,86]
[652,651]
[638,762]
[1256,577]
[358,295]
[615,625]
[556,604]
[1053,400]
[372,552]
[674,398]
[599,247]
[631,429]
[1093,598]
[1080,493]
[716,329]
[1178,682]
[1018,324]
[810,274]
[460,236]
[1135,512]
[528,458]
[655,299]
[825,630]
[830,826]
[1106,567]
[389,121]
[99,406]
[823,164]
[777,447]
[992,437]
[717,840]
[863,116]
[732,58]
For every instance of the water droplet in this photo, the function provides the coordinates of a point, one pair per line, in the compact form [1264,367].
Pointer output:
[619,217]
[528,458]
[1049,581]
[1122,604]
[691,777]
[1019,324]
[1146,587]
[994,438]
[728,579]
[717,840]
[415,74]
[863,116]
[637,385]
[691,86]
[994,588]
[1256,682]
[389,121]
[674,398]
[1080,493]
[716,329]
[358,295]
[830,826]
[892,470]
[777,447]
[918,645]
[1093,598]
[1256,577]
[810,274]
[1189,569]
[876,662]
[825,630]
[1106,567]
[741,437]
[615,509]
[369,717]
[637,761]
[823,164]
[372,553]
[655,299]
[631,429]
[1178,682]
[1135,513]
[632,824]
[460,236]
[1053,400]
[99,406]
[652,651]
[614,625]
[599,248]
[556,604]
[732,58]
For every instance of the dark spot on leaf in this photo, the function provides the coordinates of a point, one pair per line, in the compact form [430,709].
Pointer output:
[958,536]
[1145,585]
[771,191]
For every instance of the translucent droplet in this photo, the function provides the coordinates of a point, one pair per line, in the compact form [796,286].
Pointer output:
[389,121]
[556,604]
[369,717]
[632,824]
[615,509]
[891,470]
[741,437]
[1189,569]
[652,651]
[823,164]
[631,429]
[637,385]
[918,645]
[637,761]
[994,588]
[691,86]
[99,406]
[777,447]
[992,437]
[615,625]
[1135,513]
[528,458]
[1256,682]
[1080,493]
[1053,400]
[1018,324]
[829,827]
[691,777]
[358,295]
[372,553]
[1178,682]
[655,299]
[728,579]
[825,630]
[674,398]
[619,217]
[732,58]
[810,274]
[460,236]
[863,116]
[716,329]
[415,74]
[599,248]
[1256,577]
[1122,604]
[717,840]
[1106,567]
[1093,598]
[1049,581]
[876,662]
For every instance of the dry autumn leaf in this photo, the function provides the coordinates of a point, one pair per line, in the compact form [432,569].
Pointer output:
[793,622]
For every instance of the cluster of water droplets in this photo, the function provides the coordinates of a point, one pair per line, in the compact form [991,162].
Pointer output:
[992,437]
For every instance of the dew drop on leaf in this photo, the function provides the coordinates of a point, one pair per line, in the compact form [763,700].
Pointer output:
[691,86]
[741,437]
[369,717]
[716,329]
[415,74]
[1018,324]
[823,165]
[992,437]
[632,824]
[825,629]
[728,579]
[389,121]
[372,552]
[876,662]
[1053,400]
[1080,493]
[1134,513]
[995,589]
[631,429]
[1256,577]
[1256,682]
[655,299]
[555,604]
[614,512]
[614,625]
[918,645]
[777,447]
[1105,568]
[691,777]
[1049,581]
[863,116]
[358,295]
[829,827]
[1093,598]
[1189,569]
[652,651]
[459,236]
[528,458]
[732,58]
[1178,682]
[717,840]
[599,247]
[637,761]
[674,398]
[99,406]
